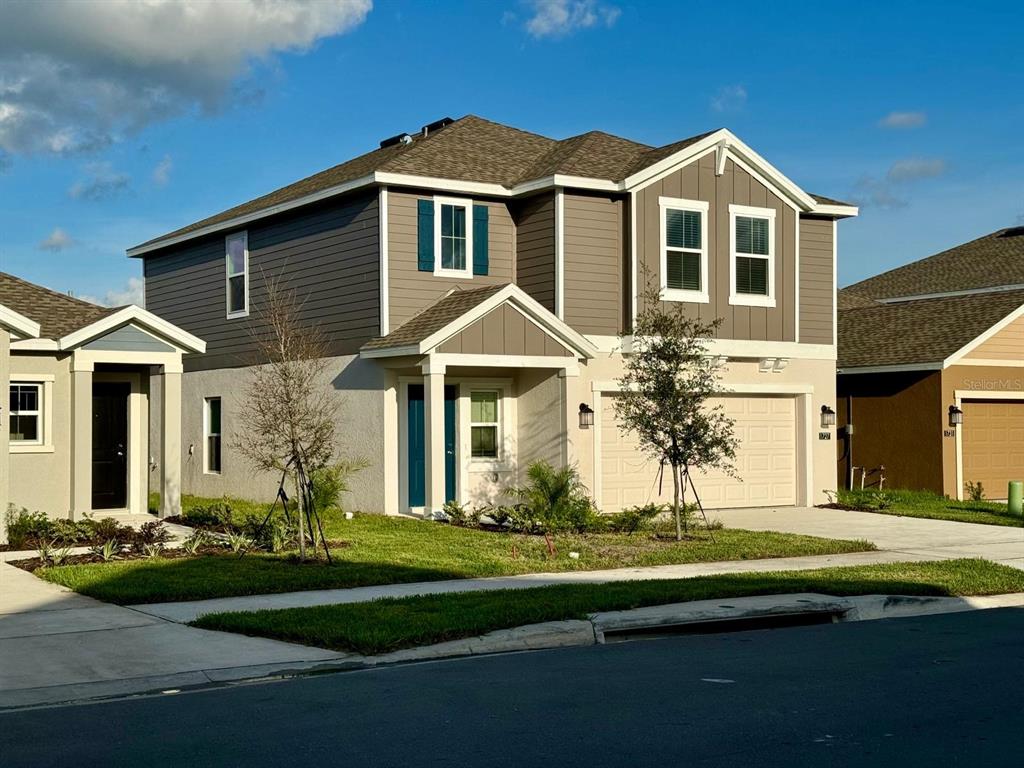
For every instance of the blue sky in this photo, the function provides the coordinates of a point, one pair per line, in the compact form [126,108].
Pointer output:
[122,126]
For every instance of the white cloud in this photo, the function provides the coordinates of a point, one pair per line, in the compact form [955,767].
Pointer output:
[903,120]
[162,172]
[915,168]
[730,98]
[102,183]
[56,241]
[558,18]
[76,76]
[134,292]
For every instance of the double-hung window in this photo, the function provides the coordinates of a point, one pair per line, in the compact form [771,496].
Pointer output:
[453,237]
[483,424]
[237,274]
[752,257]
[212,423]
[684,249]
[25,413]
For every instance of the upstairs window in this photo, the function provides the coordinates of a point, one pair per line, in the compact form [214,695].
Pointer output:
[237,270]
[684,254]
[25,413]
[453,237]
[483,421]
[212,421]
[753,256]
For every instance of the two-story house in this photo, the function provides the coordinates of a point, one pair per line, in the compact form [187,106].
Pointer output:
[478,285]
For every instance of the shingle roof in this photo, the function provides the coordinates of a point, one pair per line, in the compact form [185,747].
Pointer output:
[435,317]
[57,313]
[994,260]
[922,331]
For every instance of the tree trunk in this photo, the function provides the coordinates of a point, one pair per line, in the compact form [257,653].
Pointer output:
[301,494]
[675,502]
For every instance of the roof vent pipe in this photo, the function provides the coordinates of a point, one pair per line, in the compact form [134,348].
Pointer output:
[437,125]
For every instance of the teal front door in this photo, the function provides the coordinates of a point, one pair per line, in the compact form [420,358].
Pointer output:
[417,462]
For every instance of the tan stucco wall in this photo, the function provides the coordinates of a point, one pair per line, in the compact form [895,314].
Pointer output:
[42,481]
[358,385]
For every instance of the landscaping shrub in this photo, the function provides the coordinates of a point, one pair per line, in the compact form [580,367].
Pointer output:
[150,536]
[633,519]
[27,529]
[328,483]
[215,516]
[461,515]
[975,491]
[554,501]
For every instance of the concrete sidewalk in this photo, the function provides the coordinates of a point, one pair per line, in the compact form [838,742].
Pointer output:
[900,539]
[58,646]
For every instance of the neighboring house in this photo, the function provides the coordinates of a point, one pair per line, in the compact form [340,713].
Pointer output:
[478,285]
[75,425]
[929,344]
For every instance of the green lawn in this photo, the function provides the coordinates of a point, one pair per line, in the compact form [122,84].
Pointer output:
[388,550]
[930,505]
[390,624]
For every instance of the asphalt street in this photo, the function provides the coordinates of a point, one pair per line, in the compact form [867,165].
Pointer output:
[942,690]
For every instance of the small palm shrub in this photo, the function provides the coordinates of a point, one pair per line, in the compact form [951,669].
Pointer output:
[555,501]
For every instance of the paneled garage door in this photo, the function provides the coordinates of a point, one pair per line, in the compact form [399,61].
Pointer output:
[993,444]
[765,460]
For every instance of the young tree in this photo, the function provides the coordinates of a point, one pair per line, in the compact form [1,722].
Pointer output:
[289,410]
[667,382]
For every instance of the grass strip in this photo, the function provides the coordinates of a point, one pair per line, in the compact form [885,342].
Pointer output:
[392,624]
[930,505]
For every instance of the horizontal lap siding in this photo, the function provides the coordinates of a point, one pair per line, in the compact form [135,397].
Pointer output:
[412,291]
[328,254]
[697,181]
[1008,344]
[816,276]
[593,278]
[535,248]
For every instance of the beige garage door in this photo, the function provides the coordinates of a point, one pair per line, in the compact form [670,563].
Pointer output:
[765,460]
[993,444]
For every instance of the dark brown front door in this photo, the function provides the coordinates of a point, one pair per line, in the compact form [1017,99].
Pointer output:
[110,445]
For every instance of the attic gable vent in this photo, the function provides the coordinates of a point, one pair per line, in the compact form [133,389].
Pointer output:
[437,125]
[401,138]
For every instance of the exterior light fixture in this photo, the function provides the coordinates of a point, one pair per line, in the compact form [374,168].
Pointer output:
[956,416]
[586,416]
[828,417]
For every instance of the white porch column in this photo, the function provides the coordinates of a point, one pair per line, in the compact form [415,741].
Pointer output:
[568,379]
[81,437]
[5,432]
[170,440]
[433,402]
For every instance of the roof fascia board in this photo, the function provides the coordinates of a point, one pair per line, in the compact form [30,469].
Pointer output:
[839,211]
[169,332]
[982,338]
[409,349]
[778,179]
[445,185]
[262,213]
[35,345]
[683,156]
[18,323]
[900,368]
[951,294]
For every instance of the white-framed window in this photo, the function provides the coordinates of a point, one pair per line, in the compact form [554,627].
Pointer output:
[25,413]
[453,237]
[485,424]
[751,256]
[212,425]
[684,249]
[236,267]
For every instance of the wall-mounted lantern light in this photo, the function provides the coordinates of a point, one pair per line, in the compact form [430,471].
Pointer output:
[828,417]
[586,416]
[956,416]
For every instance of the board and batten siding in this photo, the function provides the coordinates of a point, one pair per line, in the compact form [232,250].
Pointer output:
[697,181]
[535,247]
[593,253]
[504,331]
[410,291]
[816,281]
[328,254]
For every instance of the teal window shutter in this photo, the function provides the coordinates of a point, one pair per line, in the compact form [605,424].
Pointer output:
[480,247]
[425,235]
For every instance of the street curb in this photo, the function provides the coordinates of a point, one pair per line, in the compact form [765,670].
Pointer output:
[531,637]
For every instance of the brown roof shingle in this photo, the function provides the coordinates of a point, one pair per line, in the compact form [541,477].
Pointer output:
[57,313]
[435,317]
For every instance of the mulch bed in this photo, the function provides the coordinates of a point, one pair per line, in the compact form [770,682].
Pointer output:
[34,563]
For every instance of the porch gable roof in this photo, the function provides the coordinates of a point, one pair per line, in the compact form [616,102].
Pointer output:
[461,308]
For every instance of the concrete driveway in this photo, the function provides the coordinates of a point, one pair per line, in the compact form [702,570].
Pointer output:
[917,538]
[58,646]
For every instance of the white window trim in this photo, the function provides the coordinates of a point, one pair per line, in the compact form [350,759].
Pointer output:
[498,459]
[439,271]
[666,204]
[207,435]
[746,299]
[45,442]
[244,234]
